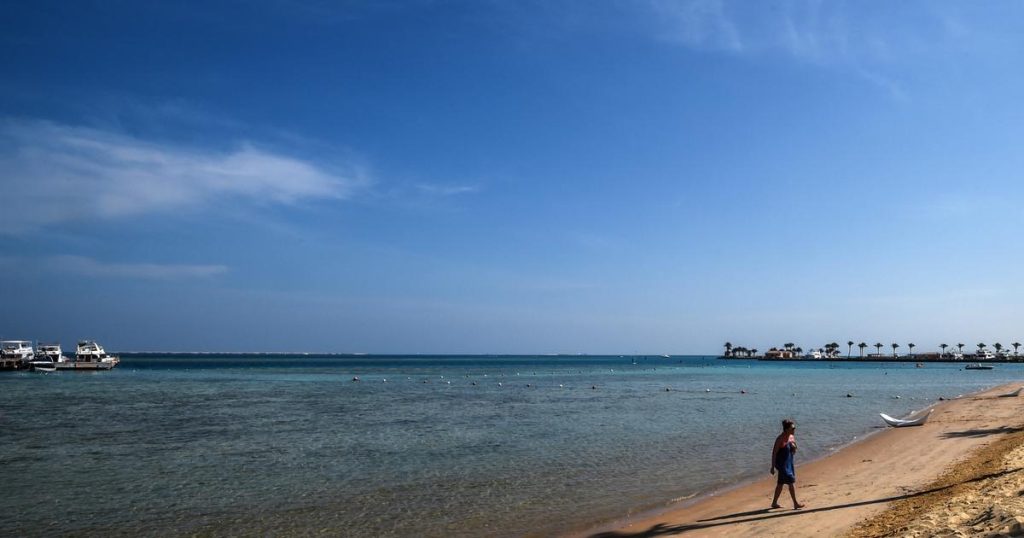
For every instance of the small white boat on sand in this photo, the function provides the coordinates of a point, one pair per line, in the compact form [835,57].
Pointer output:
[901,423]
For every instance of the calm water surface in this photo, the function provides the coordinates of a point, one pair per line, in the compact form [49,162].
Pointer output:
[446,446]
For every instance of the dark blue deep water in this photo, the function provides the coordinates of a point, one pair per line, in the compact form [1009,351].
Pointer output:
[446,446]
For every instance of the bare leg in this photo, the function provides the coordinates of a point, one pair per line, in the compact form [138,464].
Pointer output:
[775,501]
[792,493]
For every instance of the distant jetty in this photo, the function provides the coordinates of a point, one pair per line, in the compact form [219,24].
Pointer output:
[918,357]
[833,352]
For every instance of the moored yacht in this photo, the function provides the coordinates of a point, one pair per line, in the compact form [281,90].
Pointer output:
[984,355]
[47,357]
[91,356]
[16,353]
[50,352]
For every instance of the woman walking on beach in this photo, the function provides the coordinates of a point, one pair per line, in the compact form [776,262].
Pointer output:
[782,460]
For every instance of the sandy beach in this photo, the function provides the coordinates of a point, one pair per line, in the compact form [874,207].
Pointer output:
[957,475]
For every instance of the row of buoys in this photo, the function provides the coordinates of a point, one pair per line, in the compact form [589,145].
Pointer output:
[594,387]
[530,385]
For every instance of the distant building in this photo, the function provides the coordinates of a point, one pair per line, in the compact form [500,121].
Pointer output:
[779,354]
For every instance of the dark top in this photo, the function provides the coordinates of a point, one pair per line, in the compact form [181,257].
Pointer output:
[784,461]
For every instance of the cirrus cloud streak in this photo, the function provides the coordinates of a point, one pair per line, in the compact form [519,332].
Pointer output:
[52,173]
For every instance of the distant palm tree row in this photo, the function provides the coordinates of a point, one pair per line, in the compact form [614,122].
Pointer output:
[831,350]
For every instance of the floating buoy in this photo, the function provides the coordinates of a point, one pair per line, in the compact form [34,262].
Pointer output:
[707,390]
[667,389]
[743,392]
[384,380]
[474,383]
[528,385]
[848,395]
[593,387]
[499,383]
[561,386]
[897,396]
[355,378]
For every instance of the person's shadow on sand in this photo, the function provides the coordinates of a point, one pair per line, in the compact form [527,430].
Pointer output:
[664,529]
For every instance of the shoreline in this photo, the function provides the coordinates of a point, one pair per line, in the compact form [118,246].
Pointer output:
[910,459]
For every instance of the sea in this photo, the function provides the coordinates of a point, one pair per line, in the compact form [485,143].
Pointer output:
[295,445]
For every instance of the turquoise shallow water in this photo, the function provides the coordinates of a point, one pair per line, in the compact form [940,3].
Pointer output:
[446,446]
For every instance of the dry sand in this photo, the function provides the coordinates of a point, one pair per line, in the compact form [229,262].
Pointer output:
[958,475]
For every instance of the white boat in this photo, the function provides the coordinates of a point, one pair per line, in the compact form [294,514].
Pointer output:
[902,423]
[985,355]
[16,353]
[50,352]
[21,349]
[91,356]
[43,366]
[978,366]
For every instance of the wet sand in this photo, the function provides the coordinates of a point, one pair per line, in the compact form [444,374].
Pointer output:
[896,481]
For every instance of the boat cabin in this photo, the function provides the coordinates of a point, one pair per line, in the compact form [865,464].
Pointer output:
[16,349]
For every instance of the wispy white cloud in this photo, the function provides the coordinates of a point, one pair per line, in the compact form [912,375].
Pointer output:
[876,45]
[446,190]
[90,267]
[806,29]
[84,266]
[52,173]
[698,23]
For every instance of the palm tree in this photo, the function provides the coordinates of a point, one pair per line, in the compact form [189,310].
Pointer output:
[960,347]
[999,348]
[753,352]
[728,349]
[799,350]
[862,345]
[849,348]
[981,346]
[911,348]
[943,347]
[1015,346]
[894,346]
[878,348]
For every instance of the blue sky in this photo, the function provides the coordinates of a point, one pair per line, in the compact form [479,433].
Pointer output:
[510,177]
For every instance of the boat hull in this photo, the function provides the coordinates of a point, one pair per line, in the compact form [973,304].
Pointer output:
[85,365]
[902,423]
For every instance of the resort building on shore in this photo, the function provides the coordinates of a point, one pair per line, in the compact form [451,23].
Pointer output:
[774,353]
